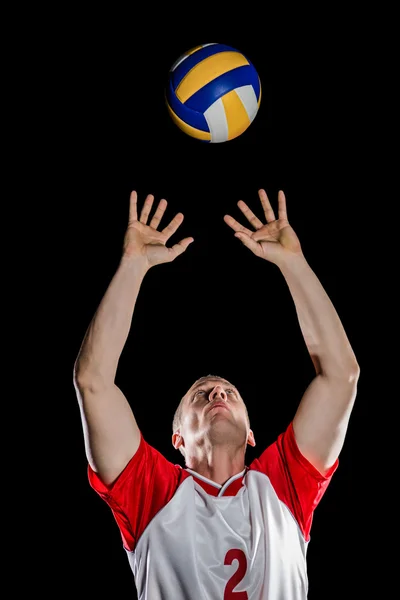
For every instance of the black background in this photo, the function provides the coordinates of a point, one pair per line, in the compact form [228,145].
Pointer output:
[217,308]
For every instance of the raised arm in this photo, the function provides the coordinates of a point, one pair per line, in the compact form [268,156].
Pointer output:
[321,420]
[110,430]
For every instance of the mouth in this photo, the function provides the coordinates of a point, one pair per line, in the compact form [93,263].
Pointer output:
[219,404]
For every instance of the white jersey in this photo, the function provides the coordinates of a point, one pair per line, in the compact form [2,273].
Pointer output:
[188,538]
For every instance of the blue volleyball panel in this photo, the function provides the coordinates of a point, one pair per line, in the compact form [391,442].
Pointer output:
[191,117]
[208,94]
[194,59]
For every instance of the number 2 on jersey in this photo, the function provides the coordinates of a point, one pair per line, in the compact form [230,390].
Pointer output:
[239,555]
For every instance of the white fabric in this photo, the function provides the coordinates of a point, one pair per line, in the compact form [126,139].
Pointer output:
[180,542]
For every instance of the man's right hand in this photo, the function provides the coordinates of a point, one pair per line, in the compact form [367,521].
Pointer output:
[144,241]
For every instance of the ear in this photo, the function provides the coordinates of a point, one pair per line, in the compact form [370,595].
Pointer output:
[177,439]
[250,439]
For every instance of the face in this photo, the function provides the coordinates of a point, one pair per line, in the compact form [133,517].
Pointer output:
[213,409]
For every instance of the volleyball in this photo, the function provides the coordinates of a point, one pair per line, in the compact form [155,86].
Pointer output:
[213,93]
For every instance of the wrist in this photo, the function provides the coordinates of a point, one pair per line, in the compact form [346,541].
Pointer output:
[136,263]
[292,262]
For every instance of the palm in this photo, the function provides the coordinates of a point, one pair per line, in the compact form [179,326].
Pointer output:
[145,240]
[272,240]
[277,232]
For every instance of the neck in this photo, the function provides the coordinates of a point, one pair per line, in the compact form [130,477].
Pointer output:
[217,463]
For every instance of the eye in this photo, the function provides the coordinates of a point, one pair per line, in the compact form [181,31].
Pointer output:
[200,392]
[230,391]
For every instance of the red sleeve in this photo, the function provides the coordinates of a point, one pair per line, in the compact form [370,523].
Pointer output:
[297,483]
[144,487]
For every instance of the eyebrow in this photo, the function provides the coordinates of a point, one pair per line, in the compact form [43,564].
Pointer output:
[206,381]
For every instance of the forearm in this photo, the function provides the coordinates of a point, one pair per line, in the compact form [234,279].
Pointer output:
[320,324]
[107,333]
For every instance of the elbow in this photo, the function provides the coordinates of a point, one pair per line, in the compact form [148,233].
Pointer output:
[91,376]
[78,374]
[353,371]
[349,376]
[86,384]
[347,372]
[350,372]
[84,378]
[347,369]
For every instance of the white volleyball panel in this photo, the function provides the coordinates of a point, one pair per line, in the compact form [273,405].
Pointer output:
[216,121]
[184,56]
[249,100]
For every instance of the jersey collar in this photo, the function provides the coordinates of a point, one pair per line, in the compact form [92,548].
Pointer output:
[229,488]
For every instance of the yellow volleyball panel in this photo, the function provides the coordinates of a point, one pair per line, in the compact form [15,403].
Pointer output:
[236,114]
[188,129]
[207,70]
[193,50]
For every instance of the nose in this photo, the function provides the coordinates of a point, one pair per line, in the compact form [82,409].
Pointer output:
[217,393]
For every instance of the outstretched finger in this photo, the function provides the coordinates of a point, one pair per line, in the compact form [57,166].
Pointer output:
[155,221]
[173,225]
[235,225]
[133,207]
[268,211]
[148,203]
[179,248]
[250,216]
[249,242]
[282,213]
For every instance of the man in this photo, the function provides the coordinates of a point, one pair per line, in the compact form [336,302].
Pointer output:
[216,529]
